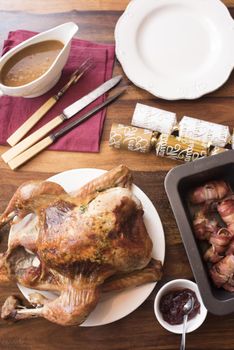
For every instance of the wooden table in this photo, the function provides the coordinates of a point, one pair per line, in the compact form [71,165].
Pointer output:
[138,330]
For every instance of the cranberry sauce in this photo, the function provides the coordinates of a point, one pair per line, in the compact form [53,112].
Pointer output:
[171,305]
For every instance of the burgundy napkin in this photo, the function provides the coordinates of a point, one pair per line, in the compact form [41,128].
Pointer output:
[86,137]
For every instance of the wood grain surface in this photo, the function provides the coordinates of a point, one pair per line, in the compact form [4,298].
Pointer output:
[139,330]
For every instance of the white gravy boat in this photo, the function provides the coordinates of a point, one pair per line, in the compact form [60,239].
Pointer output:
[63,33]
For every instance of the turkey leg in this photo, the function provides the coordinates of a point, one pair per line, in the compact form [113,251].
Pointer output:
[151,273]
[70,308]
[28,197]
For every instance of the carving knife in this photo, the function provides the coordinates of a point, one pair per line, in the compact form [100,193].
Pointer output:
[38,147]
[67,113]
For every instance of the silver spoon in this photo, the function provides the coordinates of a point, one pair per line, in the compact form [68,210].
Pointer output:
[187,308]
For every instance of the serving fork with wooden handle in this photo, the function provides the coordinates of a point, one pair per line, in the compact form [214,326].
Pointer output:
[35,117]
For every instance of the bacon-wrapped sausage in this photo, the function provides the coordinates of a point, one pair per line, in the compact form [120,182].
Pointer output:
[229,286]
[222,272]
[212,256]
[213,190]
[204,226]
[221,240]
[230,250]
[231,229]
[226,211]
[219,244]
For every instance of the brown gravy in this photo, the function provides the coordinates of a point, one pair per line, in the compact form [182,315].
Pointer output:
[30,63]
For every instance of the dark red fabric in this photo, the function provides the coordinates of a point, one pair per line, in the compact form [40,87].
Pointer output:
[86,137]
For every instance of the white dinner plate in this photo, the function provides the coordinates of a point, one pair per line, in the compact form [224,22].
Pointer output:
[114,306]
[176,49]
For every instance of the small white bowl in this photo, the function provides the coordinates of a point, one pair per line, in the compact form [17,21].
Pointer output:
[192,324]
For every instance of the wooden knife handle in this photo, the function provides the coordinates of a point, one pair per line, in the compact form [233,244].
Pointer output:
[29,153]
[30,122]
[31,139]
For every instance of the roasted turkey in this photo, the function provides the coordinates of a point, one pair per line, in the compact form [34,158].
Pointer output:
[79,245]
